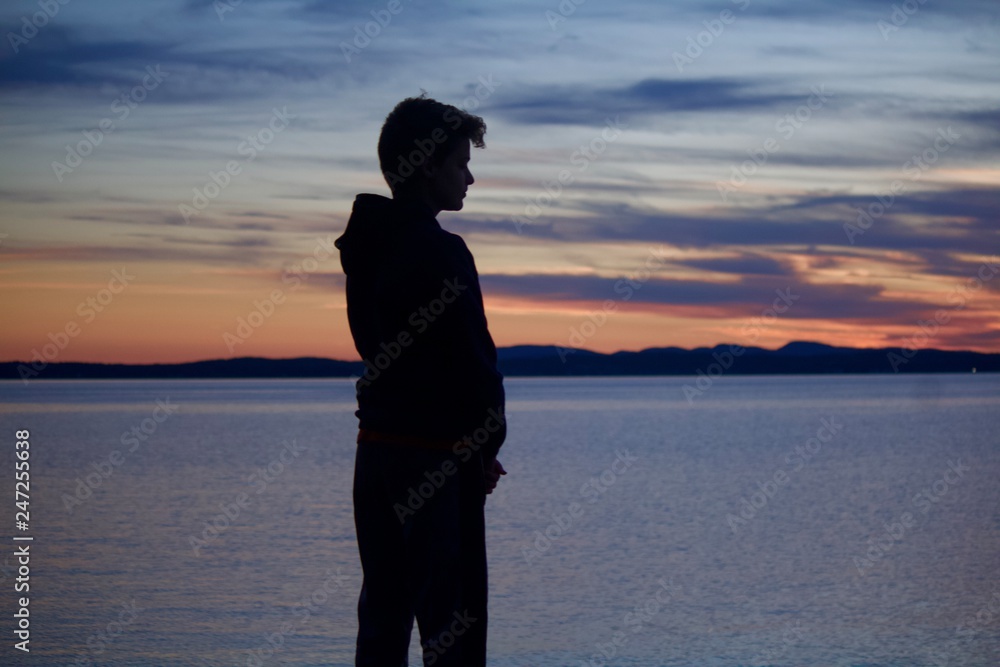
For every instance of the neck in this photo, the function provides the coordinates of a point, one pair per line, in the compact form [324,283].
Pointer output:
[418,198]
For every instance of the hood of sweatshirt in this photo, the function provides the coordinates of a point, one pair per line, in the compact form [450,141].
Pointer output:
[379,226]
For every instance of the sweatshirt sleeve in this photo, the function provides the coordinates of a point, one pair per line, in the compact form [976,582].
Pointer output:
[471,356]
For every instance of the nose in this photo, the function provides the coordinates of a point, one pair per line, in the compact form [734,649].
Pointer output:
[469,180]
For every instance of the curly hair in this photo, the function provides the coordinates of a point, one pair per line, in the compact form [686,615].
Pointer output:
[420,129]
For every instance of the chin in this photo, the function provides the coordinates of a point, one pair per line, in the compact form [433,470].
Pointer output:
[455,204]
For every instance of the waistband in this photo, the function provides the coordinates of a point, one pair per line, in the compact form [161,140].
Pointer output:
[442,444]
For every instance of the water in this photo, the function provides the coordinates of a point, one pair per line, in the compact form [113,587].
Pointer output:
[651,557]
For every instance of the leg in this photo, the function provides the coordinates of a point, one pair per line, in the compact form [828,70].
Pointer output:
[431,564]
[449,570]
[474,568]
[385,615]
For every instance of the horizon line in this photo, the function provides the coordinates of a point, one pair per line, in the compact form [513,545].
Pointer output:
[507,347]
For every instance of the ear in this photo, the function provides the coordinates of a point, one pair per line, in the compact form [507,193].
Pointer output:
[428,169]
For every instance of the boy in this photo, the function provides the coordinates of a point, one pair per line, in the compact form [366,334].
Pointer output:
[431,401]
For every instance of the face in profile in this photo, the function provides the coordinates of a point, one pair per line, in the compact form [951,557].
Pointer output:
[449,180]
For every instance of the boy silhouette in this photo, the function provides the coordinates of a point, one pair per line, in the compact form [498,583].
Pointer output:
[430,402]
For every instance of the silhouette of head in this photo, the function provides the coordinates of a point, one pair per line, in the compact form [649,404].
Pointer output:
[424,152]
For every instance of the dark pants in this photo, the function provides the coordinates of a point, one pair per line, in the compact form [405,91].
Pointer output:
[420,526]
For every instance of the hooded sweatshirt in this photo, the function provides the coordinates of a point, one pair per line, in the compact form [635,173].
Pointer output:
[416,314]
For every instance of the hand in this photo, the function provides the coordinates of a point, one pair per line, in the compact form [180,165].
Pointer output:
[493,471]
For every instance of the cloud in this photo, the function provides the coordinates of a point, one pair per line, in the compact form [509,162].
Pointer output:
[60,58]
[746,297]
[866,10]
[744,264]
[937,262]
[55,57]
[580,104]
[658,185]
[154,248]
[956,219]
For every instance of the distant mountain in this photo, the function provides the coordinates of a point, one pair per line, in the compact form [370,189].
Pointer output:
[794,358]
[807,349]
[242,367]
[550,360]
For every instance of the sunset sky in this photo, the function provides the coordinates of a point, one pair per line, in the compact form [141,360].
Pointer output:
[837,159]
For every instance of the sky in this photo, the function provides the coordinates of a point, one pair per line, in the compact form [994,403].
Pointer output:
[173,172]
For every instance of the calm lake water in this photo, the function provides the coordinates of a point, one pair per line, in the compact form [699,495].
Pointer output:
[823,520]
